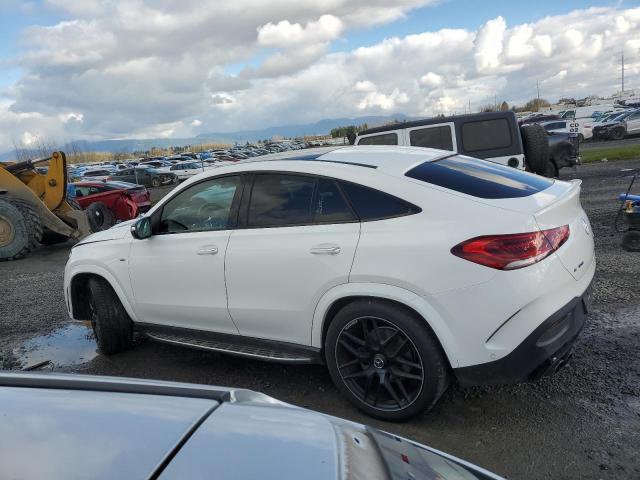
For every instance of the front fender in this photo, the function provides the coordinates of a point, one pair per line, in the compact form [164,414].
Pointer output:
[102,271]
[428,309]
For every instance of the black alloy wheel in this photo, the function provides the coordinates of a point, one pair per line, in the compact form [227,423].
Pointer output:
[379,364]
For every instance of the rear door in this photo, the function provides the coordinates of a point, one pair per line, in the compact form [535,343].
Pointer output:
[298,241]
[633,123]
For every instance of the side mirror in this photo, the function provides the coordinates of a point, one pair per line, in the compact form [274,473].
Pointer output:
[141,229]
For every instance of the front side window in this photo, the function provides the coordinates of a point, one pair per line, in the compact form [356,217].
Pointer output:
[486,135]
[432,137]
[205,206]
[279,200]
[330,205]
[384,139]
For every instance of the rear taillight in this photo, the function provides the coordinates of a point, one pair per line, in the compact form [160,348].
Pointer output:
[509,252]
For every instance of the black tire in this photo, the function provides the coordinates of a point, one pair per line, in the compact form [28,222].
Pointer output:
[111,324]
[618,134]
[21,228]
[52,238]
[155,182]
[378,346]
[536,147]
[100,217]
[631,241]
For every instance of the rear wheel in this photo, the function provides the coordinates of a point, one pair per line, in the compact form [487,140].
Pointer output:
[20,228]
[617,134]
[100,217]
[155,182]
[536,148]
[385,360]
[111,324]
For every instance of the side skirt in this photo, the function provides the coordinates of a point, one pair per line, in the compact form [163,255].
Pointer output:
[257,348]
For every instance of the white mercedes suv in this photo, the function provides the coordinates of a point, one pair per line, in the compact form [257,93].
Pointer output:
[400,268]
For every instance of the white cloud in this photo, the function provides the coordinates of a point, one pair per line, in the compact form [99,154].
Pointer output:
[123,69]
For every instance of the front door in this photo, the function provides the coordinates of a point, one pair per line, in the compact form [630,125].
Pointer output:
[177,274]
[298,241]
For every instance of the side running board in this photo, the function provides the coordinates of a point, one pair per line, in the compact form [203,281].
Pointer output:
[269,350]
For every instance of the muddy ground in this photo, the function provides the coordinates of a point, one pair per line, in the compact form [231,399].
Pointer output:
[582,423]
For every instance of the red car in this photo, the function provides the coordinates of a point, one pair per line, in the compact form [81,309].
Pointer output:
[109,201]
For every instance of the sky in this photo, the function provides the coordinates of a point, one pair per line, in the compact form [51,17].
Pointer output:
[102,69]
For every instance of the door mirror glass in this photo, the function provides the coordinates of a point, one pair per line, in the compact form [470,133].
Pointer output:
[141,229]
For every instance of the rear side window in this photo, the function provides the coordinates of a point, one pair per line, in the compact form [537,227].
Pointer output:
[486,135]
[278,200]
[479,178]
[384,139]
[372,204]
[432,137]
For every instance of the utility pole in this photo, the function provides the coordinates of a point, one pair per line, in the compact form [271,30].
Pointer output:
[538,88]
[622,72]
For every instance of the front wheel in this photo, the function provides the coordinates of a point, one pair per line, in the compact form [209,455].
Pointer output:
[111,323]
[385,360]
[617,134]
[155,182]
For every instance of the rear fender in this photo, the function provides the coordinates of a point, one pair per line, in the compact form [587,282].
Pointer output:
[421,305]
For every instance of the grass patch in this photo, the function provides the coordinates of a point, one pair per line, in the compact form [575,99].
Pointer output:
[627,152]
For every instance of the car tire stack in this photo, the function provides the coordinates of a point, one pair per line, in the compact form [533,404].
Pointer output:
[20,228]
[536,149]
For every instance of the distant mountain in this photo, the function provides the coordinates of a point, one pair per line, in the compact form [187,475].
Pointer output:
[322,127]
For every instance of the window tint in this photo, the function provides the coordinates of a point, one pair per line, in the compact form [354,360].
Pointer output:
[372,204]
[479,178]
[384,139]
[203,207]
[486,135]
[279,200]
[330,206]
[432,137]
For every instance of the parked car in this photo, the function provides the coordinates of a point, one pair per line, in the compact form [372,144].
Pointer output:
[96,174]
[124,200]
[149,177]
[399,268]
[80,426]
[493,136]
[582,130]
[185,170]
[626,123]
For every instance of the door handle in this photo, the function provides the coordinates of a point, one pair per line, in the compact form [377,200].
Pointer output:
[326,250]
[207,251]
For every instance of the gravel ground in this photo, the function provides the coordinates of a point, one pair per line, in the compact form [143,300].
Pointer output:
[584,422]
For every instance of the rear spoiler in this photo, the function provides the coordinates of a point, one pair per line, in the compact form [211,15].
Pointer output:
[571,191]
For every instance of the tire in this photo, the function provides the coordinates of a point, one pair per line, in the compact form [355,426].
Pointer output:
[155,182]
[536,147]
[631,241]
[395,370]
[551,171]
[617,134]
[111,324]
[100,217]
[20,228]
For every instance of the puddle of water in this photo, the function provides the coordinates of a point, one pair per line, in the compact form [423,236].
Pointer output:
[72,344]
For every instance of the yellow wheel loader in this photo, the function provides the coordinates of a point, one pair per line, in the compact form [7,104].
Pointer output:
[34,208]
